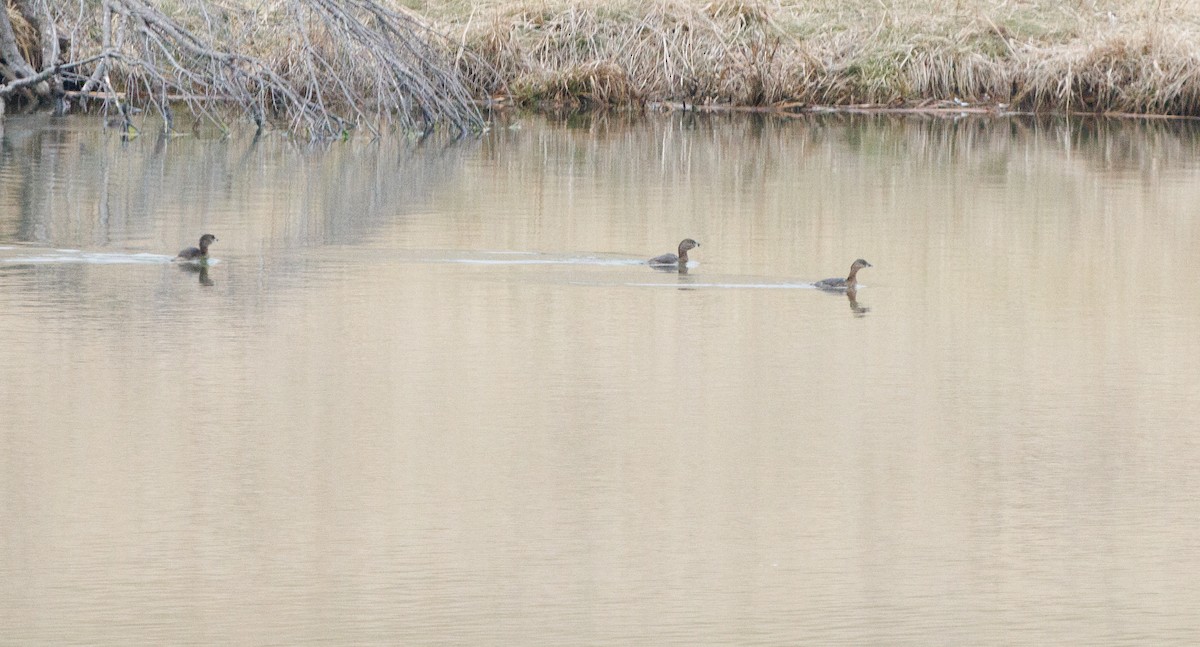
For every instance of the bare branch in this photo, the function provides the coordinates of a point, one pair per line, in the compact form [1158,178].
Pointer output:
[335,65]
[8,88]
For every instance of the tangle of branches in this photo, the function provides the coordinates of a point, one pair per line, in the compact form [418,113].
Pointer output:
[319,67]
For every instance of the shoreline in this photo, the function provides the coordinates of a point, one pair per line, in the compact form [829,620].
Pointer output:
[998,110]
[944,109]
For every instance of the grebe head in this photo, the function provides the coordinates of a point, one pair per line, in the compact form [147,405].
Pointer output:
[688,243]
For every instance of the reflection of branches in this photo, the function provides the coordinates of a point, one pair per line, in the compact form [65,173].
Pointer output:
[322,68]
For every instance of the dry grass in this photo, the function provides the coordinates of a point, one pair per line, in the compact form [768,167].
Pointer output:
[335,64]
[1138,56]
[26,35]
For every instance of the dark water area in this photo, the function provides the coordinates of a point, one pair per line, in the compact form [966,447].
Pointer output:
[429,393]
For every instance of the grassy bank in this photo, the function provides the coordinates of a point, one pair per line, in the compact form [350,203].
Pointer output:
[328,67]
[1138,56]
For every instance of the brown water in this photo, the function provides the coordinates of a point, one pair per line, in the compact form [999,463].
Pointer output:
[425,393]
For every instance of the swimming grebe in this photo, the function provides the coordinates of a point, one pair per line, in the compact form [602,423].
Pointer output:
[672,259]
[848,283]
[194,254]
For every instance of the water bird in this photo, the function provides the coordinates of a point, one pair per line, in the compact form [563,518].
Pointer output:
[200,253]
[673,259]
[848,283]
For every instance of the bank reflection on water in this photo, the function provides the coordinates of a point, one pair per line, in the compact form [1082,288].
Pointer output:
[431,392]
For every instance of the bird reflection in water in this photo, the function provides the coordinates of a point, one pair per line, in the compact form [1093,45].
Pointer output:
[855,307]
[679,270]
[685,281]
[201,269]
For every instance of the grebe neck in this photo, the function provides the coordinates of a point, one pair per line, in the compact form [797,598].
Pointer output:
[852,280]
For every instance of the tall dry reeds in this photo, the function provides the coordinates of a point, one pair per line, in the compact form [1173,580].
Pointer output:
[621,53]
[1139,56]
[326,67]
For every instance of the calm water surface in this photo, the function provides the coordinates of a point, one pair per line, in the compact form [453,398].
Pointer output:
[425,393]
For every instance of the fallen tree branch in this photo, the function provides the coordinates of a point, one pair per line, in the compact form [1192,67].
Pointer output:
[335,65]
[11,87]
